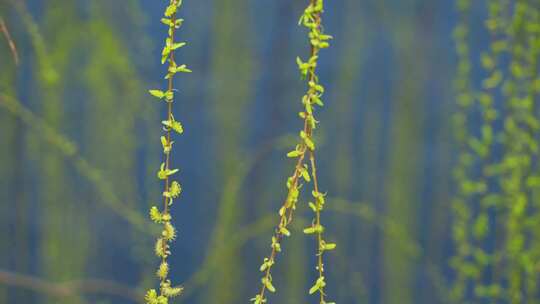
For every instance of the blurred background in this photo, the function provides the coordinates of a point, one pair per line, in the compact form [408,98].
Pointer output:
[79,150]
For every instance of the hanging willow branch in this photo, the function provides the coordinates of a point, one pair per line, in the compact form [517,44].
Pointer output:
[311,19]
[172,189]
[496,207]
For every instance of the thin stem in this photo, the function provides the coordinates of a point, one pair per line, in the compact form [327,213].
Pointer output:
[285,218]
[170,87]
[320,251]
[11,43]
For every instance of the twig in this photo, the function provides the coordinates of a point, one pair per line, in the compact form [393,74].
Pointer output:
[11,43]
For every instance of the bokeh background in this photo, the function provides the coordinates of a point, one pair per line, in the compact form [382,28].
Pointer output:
[79,149]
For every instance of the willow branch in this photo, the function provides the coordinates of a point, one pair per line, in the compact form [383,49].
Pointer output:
[69,150]
[70,288]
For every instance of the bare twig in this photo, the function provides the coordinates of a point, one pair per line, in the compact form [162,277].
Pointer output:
[11,43]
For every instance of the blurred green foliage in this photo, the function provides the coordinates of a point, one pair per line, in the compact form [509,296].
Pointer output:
[418,217]
[496,208]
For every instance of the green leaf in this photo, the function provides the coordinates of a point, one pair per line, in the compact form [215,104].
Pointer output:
[258,300]
[266,264]
[183,69]
[170,10]
[169,232]
[275,244]
[177,45]
[317,87]
[168,291]
[151,296]
[284,231]
[319,199]
[317,100]
[155,215]
[319,285]
[157,93]
[268,285]
[313,289]
[173,125]
[293,154]
[309,143]
[314,229]
[163,172]
[166,21]
[309,230]
[305,175]
[328,246]
[175,189]
[167,146]
[164,58]
[163,270]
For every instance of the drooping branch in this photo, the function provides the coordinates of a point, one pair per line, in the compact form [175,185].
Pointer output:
[69,150]
[70,288]
[304,150]
[172,189]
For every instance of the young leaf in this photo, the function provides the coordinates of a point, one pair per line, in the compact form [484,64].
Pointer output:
[329,246]
[294,153]
[309,230]
[157,93]
[169,232]
[167,21]
[163,270]
[319,285]
[258,299]
[183,69]
[305,175]
[266,264]
[168,291]
[284,231]
[275,244]
[163,172]
[151,297]
[167,146]
[268,284]
[155,215]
